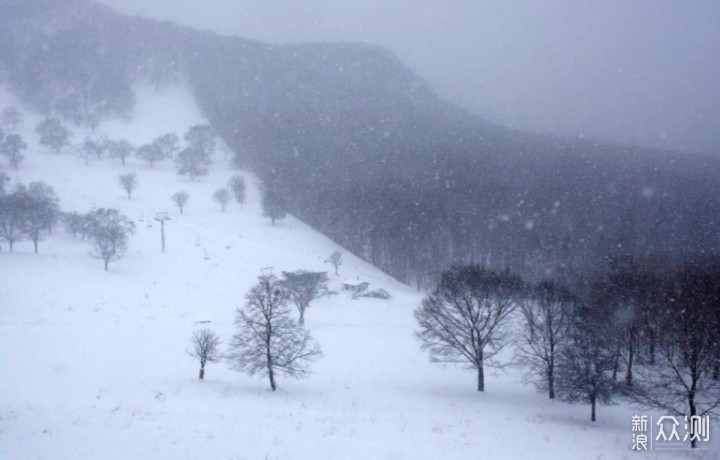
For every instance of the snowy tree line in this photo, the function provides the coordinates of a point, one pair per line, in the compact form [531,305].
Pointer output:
[639,334]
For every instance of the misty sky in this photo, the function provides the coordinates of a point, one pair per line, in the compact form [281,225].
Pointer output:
[637,71]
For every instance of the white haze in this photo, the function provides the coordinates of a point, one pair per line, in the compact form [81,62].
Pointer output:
[642,72]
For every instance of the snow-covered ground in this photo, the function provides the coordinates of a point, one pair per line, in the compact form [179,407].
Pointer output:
[93,363]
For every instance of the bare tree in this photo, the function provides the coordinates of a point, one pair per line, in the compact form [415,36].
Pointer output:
[465,319]
[150,154]
[53,134]
[222,198]
[12,215]
[192,162]
[129,183]
[120,149]
[180,199]
[274,203]
[11,117]
[168,144]
[41,210]
[336,259]
[237,186]
[681,380]
[92,147]
[584,371]
[109,232]
[201,138]
[548,318]
[303,287]
[205,348]
[12,147]
[268,340]
[73,222]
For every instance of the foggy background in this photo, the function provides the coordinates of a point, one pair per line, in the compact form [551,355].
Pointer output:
[641,72]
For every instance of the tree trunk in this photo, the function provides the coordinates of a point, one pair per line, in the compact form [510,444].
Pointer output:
[301,321]
[271,373]
[693,412]
[593,399]
[551,381]
[201,376]
[616,365]
[631,353]
[652,349]
[480,378]
[106,264]
[10,243]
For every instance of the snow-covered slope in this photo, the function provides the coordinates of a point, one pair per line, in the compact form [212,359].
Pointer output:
[93,363]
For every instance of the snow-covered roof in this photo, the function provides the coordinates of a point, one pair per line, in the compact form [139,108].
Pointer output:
[354,283]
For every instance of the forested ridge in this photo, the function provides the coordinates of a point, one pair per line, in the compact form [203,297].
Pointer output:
[366,152]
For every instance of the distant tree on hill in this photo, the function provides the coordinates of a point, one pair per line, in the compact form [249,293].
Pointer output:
[129,183]
[41,211]
[168,144]
[268,340]
[109,232]
[74,222]
[46,194]
[150,154]
[274,203]
[12,148]
[205,348]
[11,118]
[222,198]
[53,134]
[91,147]
[547,321]
[120,149]
[465,319]
[303,287]
[192,162]
[12,216]
[336,259]
[201,138]
[237,186]
[180,199]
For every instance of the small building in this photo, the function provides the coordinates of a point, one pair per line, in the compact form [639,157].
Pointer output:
[355,286]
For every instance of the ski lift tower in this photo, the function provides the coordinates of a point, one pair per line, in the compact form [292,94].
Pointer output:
[162,217]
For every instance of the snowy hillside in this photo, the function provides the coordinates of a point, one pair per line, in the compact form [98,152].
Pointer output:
[93,363]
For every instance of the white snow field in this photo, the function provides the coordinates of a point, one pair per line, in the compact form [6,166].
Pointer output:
[93,363]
